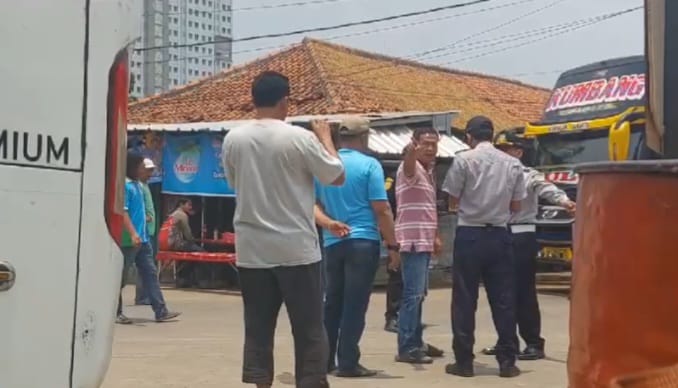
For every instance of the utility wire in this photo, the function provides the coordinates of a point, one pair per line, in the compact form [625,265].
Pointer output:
[259,7]
[359,33]
[318,29]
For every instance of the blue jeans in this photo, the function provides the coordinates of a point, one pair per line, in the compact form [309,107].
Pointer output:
[351,268]
[141,297]
[142,256]
[415,282]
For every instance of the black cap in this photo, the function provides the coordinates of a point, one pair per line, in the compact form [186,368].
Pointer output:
[479,125]
[509,138]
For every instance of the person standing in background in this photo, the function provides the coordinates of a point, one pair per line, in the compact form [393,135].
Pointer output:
[525,247]
[394,287]
[352,217]
[417,234]
[140,251]
[486,186]
[141,299]
[272,166]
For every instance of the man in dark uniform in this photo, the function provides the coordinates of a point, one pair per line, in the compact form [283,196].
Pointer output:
[485,186]
[525,246]
[394,287]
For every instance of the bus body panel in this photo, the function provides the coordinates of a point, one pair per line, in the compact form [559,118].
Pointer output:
[57,320]
[100,258]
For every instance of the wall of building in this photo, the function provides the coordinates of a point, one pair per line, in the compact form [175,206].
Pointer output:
[181,28]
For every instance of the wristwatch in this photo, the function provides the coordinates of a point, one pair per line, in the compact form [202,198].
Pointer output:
[394,248]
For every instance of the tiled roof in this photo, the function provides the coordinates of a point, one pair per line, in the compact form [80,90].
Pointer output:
[330,79]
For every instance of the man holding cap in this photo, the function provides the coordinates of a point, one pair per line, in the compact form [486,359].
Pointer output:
[525,246]
[352,217]
[485,186]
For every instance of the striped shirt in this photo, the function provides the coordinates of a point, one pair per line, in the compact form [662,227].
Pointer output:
[417,216]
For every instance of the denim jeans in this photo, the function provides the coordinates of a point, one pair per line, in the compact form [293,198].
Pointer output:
[140,292]
[351,268]
[142,256]
[414,268]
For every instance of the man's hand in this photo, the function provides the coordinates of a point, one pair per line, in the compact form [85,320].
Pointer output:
[338,229]
[393,261]
[322,129]
[136,240]
[570,206]
[437,246]
[411,148]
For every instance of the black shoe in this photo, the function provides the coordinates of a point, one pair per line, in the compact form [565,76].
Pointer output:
[358,372]
[459,370]
[123,320]
[391,326]
[432,351]
[168,316]
[532,354]
[509,371]
[491,351]
[416,357]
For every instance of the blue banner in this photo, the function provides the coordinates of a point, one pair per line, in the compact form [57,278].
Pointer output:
[149,144]
[192,165]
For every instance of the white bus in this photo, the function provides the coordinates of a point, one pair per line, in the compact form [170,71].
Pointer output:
[63,107]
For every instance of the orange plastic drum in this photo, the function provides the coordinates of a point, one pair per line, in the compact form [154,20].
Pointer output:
[624,301]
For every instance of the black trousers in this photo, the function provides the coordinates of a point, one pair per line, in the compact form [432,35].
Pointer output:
[483,253]
[525,250]
[263,292]
[394,294]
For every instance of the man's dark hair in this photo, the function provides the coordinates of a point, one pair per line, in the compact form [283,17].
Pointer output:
[269,88]
[134,160]
[182,201]
[421,131]
[482,135]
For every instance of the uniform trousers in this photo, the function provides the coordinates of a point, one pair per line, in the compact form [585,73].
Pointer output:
[483,253]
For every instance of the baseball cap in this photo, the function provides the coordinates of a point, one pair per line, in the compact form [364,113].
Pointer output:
[148,164]
[354,126]
[478,125]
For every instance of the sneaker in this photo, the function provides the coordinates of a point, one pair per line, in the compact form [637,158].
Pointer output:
[432,351]
[168,316]
[123,320]
[391,326]
[459,370]
[416,357]
[359,372]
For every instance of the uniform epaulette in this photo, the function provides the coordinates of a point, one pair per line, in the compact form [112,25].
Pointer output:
[462,151]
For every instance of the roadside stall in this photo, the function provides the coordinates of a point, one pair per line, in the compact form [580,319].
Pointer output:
[191,168]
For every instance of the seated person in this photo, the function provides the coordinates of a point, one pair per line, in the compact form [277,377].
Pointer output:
[181,237]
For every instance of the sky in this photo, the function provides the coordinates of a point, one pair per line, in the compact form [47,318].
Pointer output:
[532,41]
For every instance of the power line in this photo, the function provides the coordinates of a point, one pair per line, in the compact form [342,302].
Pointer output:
[260,7]
[318,29]
[423,54]
[360,33]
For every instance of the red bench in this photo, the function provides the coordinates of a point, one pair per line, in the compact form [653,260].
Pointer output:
[203,257]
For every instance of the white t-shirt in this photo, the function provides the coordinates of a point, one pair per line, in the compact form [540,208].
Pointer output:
[271,166]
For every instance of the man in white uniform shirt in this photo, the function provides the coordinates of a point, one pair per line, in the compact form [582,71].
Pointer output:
[271,166]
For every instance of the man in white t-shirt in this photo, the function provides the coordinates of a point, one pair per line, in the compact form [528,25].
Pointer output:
[271,165]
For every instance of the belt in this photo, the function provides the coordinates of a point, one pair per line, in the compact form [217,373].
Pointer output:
[523,228]
[478,225]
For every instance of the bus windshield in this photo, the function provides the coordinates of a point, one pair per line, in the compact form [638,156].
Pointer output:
[577,148]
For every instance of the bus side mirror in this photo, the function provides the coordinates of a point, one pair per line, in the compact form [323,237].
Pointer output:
[619,140]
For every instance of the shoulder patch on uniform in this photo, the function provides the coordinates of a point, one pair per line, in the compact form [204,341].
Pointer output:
[462,151]
[388,184]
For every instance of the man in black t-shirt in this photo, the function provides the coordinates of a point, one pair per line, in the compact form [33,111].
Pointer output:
[394,288]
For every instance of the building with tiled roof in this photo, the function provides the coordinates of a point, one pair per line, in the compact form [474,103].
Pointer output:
[331,79]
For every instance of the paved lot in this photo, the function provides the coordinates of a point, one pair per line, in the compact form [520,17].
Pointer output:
[203,350]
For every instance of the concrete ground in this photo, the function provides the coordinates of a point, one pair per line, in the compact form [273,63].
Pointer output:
[204,348]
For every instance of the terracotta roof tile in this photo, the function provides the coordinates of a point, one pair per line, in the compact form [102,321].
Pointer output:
[329,79]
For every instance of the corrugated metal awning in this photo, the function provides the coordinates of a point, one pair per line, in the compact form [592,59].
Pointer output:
[392,141]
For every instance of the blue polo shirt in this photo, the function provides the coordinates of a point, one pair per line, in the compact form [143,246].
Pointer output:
[351,203]
[135,207]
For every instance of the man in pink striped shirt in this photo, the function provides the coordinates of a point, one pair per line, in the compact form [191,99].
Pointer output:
[417,235]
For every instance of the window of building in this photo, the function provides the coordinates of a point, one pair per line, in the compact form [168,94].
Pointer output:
[204,62]
[209,51]
[138,76]
[223,29]
[203,49]
[203,26]
[190,11]
[190,35]
[175,8]
[209,62]
[204,2]
[176,82]
[209,3]
[175,33]
[176,69]
[176,57]
[204,14]
[138,89]
[209,26]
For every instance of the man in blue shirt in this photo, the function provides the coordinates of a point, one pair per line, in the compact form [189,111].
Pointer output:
[140,252]
[352,217]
